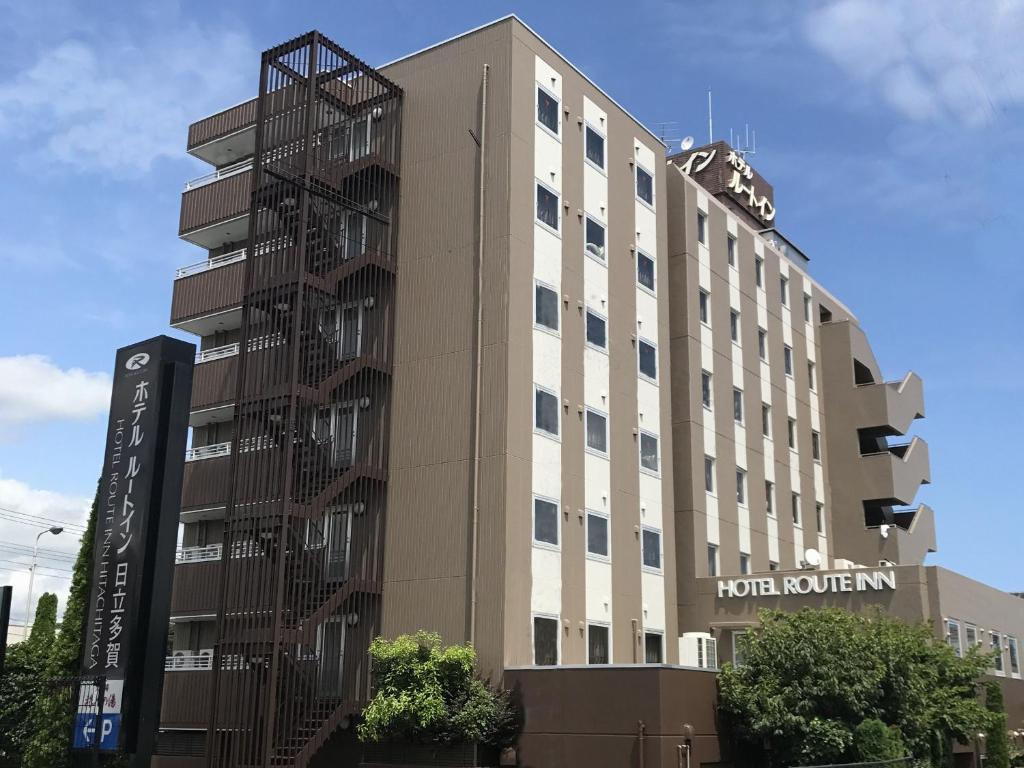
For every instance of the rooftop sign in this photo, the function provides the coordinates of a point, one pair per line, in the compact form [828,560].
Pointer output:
[725,173]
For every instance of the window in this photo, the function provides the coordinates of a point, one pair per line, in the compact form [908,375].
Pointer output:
[759,272]
[737,405]
[739,650]
[815,445]
[645,270]
[709,474]
[597,330]
[1011,646]
[595,235]
[647,355]
[741,486]
[784,290]
[766,420]
[791,432]
[953,636]
[702,227]
[787,359]
[971,632]
[545,521]
[652,648]
[734,325]
[545,411]
[731,250]
[644,185]
[769,497]
[652,549]
[597,431]
[712,560]
[547,207]
[772,565]
[704,308]
[811,381]
[819,516]
[762,343]
[545,307]
[547,110]
[545,641]
[597,644]
[597,534]
[705,388]
[807,308]
[594,147]
[798,520]
[744,563]
[997,649]
[648,452]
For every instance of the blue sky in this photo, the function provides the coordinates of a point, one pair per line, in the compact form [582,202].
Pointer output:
[891,130]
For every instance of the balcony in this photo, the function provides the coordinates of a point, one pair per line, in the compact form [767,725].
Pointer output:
[208,452]
[209,553]
[196,589]
[214,383]
[215,208]
[206,485]
[183,661]
[186,700]
[892,404]
[906,535]
[208,296]
[896,474]
[228,135]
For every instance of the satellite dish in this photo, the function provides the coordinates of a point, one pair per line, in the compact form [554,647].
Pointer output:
[884,530]
[686,143]
[812,557]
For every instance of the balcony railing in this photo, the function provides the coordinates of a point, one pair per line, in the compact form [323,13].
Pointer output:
[189,662]
[220,173]
[208,451]
[199,554]
[211,263]
[217,353]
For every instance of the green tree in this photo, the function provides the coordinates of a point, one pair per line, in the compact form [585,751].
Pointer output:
[809,679]
[429,693]
[873,740]
[997,743]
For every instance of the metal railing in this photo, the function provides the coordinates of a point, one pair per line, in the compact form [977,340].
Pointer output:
[211,263]
[181,662]
[216,353]
[220,173]
[199,554]
[208,451]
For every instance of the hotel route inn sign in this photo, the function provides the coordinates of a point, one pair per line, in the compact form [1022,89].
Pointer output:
[724,172]
[133,548]
[808,583]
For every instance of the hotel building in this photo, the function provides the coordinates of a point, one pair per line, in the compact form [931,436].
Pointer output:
[477,356]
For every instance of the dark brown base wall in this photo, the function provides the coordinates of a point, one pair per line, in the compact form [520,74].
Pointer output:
[590,716]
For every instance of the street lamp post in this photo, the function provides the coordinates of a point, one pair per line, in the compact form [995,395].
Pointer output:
[32,576]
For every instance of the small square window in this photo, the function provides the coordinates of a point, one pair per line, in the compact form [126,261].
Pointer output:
[644,185]
[815,445]
[731,248]
[709,474]
[744,564]
[545,522]
[545,411]
[769,497]
[597,534]
[791,432]
[545,307]
[547,110]
[734,325]
[595,239]
[759,272]
[649,452]
[766,420]
[645,270]
[651,548]
[595,147]
[737,405]
[703,305]
[702,227]
[705,388]
[597,644]
[545,641]
[787,359]
[819,516]
[547,207]
[797,516]
[597,431]
[597,329]
[712,560]
[741,486]
[784,290]
[762,343]
[647,354]
[653,648]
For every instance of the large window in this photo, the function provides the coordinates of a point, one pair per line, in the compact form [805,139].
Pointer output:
[547,109]
[705,388]
[649,452]
[741,485]
[644,185]
[653,653]
[595,234]
[545,307]
[704,307]
[545,415]
[547,207]
[997,650]
[953,636]
[597,534]
[645,270]
[971,635]
[545,641]
[597,431]
[652,548]
[597,330]
[594,147]
[737,405]
[597,644]
[545,521]
[709,474]
[647,355]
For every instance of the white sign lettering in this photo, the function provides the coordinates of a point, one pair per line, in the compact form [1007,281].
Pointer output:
[808,583]
[741,171]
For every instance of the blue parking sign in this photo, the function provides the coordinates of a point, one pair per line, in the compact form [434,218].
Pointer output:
[85,731]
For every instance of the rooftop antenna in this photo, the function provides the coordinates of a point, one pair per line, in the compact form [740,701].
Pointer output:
[749,145]
[668,131]
[711,130]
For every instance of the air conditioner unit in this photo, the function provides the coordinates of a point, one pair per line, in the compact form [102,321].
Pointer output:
[206,651]
[698,649]
[597,250]
[843,565]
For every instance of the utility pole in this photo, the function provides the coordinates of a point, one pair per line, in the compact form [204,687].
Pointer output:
[32,577]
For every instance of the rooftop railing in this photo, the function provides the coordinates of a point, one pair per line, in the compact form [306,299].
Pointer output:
[199,554]
[220,173]
[208,451]
[211,263]
[217,353]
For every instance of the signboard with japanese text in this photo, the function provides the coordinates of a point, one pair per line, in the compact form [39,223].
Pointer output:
[136,532]
[726,174]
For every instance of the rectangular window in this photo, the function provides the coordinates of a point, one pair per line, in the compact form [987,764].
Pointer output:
[644,185]
[547,109]
[766,420]
[819,515]
[705,388]
[645,270]
[652,648]
[769,497]
[545,641]
[702,227]
[597,431]
[712,560]
[595,147]
[759,272]
[597,330]
[744,563]
[734,325]
[545,411]
[595,235]
[811,379]
[731,250]
[997,649]
[652,548]
[703,305]
[597,644]
[739,644]
[741,486]
[807,308]
[1014,652]
[709,474]
[772,565]
[791,432]
[787,360]
[547,207]
[798,519]
[545,307]
[784,290]
[762,343]
[737,405]
[597,534]
[649,452]
[545,521]
[971,632]
[647,356]
[953,636]
[815,445]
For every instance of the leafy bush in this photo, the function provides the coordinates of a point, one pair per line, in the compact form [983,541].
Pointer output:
[873,740]
[428,693]
[997,743]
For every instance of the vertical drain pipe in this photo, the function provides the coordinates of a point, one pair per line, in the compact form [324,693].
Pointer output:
[475,523]
[641,734]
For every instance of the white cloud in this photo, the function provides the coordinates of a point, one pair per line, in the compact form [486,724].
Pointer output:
[949,61]
[33,389]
